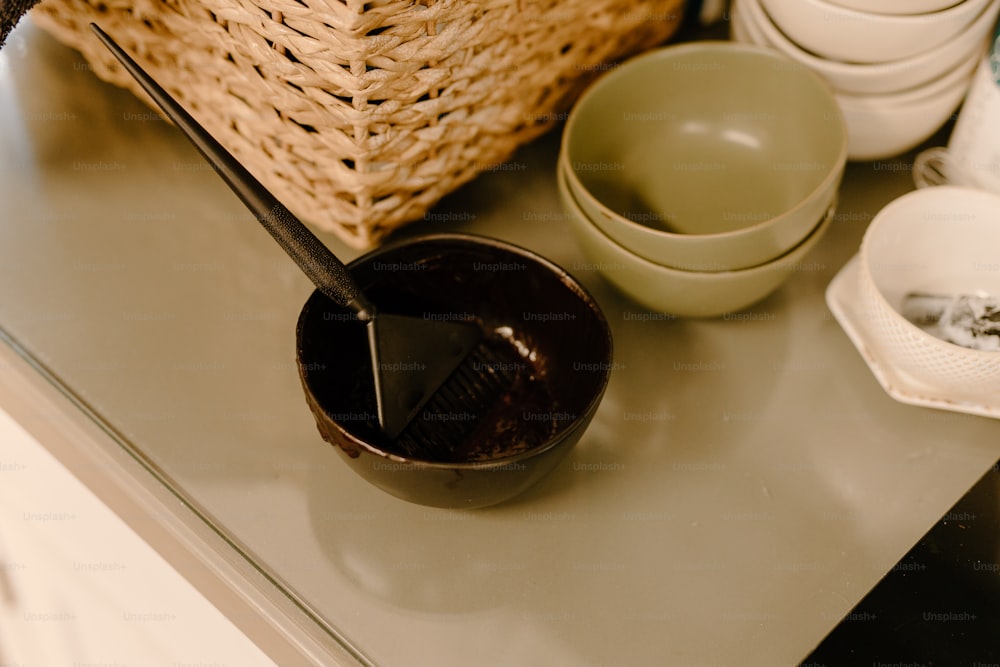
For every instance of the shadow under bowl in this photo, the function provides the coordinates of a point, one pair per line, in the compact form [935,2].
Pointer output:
[534,310]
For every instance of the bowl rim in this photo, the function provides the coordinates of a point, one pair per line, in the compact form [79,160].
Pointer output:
[957,77]
[951,3]
[924,18]
[691,241]
[834,173]
[957,193]
[816,232]
[474,240]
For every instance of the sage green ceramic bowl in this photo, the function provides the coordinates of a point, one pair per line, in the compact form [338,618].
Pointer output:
[685,293]
[708,156]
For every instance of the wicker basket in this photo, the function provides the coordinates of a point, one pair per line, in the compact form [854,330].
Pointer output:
[358,115]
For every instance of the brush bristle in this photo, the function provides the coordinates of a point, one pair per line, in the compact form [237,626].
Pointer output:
[458,406]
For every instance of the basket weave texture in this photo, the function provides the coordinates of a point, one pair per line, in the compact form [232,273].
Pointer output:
[360,116]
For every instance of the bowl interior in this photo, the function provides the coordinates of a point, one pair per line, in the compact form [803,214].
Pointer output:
[705,138]
[941,243]
[552,333]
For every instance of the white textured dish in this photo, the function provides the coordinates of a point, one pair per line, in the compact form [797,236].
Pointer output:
[939,240]
[843,298]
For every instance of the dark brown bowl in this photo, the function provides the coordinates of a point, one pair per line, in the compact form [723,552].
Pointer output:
[562,338]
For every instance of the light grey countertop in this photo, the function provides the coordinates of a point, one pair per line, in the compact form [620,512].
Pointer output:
[744,484]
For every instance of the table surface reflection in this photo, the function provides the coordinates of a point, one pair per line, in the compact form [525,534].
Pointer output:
[744,483]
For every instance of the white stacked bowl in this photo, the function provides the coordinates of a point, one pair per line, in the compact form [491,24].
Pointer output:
[897,76]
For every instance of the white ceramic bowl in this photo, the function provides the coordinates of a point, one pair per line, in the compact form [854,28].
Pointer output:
[944,241]
[958,76]
[882,126]
[683,293]
[897,6]
[739,31]
[750,23]
[850,35]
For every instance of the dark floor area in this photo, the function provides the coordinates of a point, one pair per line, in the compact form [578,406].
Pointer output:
[940,605]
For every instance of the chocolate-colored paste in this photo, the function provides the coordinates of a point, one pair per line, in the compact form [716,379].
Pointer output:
[533,319]
[524,416]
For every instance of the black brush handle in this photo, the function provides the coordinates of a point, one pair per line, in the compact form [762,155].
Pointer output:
[326,271]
